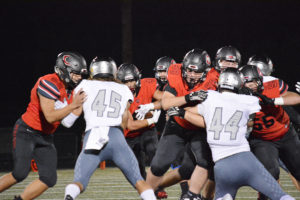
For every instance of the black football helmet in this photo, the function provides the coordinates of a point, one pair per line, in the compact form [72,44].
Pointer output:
[163,64]
[231,79]
[70,62]
[253,73]
[228,53]
[196,60]
[127,72]
[103,67]
[264,63]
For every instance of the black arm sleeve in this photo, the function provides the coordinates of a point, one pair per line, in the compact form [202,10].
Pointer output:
[168,88]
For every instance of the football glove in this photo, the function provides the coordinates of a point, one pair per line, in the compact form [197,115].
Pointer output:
[200,95]
[298,87]
[264,99]
[175,111]
[154,118]
[246,91]
[143,109]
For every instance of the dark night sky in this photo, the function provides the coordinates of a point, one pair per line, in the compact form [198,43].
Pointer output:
[34,32]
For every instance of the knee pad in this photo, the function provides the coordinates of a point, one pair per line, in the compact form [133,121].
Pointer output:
[50,181]
[20,175]
[158,170]
[186,172]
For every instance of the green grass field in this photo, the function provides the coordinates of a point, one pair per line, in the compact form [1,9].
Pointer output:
[111,184]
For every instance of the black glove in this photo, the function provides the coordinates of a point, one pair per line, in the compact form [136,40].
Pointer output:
[175,111]
[200,95]
[264,99]
[246,91]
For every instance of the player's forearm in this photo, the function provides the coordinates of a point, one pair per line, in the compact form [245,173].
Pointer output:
[157,105]
[195,119]
[57,115]
[172,102]
[133,125]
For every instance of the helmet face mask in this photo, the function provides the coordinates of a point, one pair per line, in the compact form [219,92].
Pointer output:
[253,77]
[70,66]
[230,79]
[161,69]
[130,75]
[229,54]
[103,68]
[264,63]
[195,66]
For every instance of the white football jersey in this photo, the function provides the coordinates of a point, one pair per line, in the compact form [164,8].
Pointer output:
[226,116]
[105,104]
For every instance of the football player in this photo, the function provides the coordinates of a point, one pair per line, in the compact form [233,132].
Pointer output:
[265,64]
[184,82]
[51,102]
[226,116]
[106,114]
[226,57]
[272,136]
[141,134]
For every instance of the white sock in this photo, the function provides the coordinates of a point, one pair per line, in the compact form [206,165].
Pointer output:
[287,197]
[148,195]
[73,190]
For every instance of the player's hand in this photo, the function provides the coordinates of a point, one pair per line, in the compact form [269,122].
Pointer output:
[297,85]
[78,99]
[200,95]
[175,111]
[264,99]
[246,91]
[154,118]
[143,109]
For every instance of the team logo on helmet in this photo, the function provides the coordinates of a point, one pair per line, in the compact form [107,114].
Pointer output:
[207,59]
[65,60]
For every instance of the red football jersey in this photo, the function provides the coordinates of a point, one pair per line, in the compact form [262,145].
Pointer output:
[272,122]
[145,96]
[50,86]
[175,81]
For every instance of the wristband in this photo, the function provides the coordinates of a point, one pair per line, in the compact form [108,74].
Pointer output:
[279,101]
[69,120]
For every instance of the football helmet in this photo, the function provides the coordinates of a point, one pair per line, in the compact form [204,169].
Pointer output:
[231,79]
[103,67]
[198,61]
[264,63]
[163,64]
[127,72]
[253,73]
[228,53]
[70,62]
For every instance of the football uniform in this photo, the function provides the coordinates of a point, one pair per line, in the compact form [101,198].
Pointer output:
[144,96]
[272,122]
[51,87]
[103,110]
[272,136]
[143,141]
[33,130]
[178,132]
[226,116]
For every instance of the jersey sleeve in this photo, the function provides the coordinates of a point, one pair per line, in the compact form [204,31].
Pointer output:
[283,87]
[48,89]
[253,105]
[79,86]
[129,95]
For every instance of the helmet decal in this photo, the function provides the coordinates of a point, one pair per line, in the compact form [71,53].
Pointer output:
[208,62]
[65,60]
